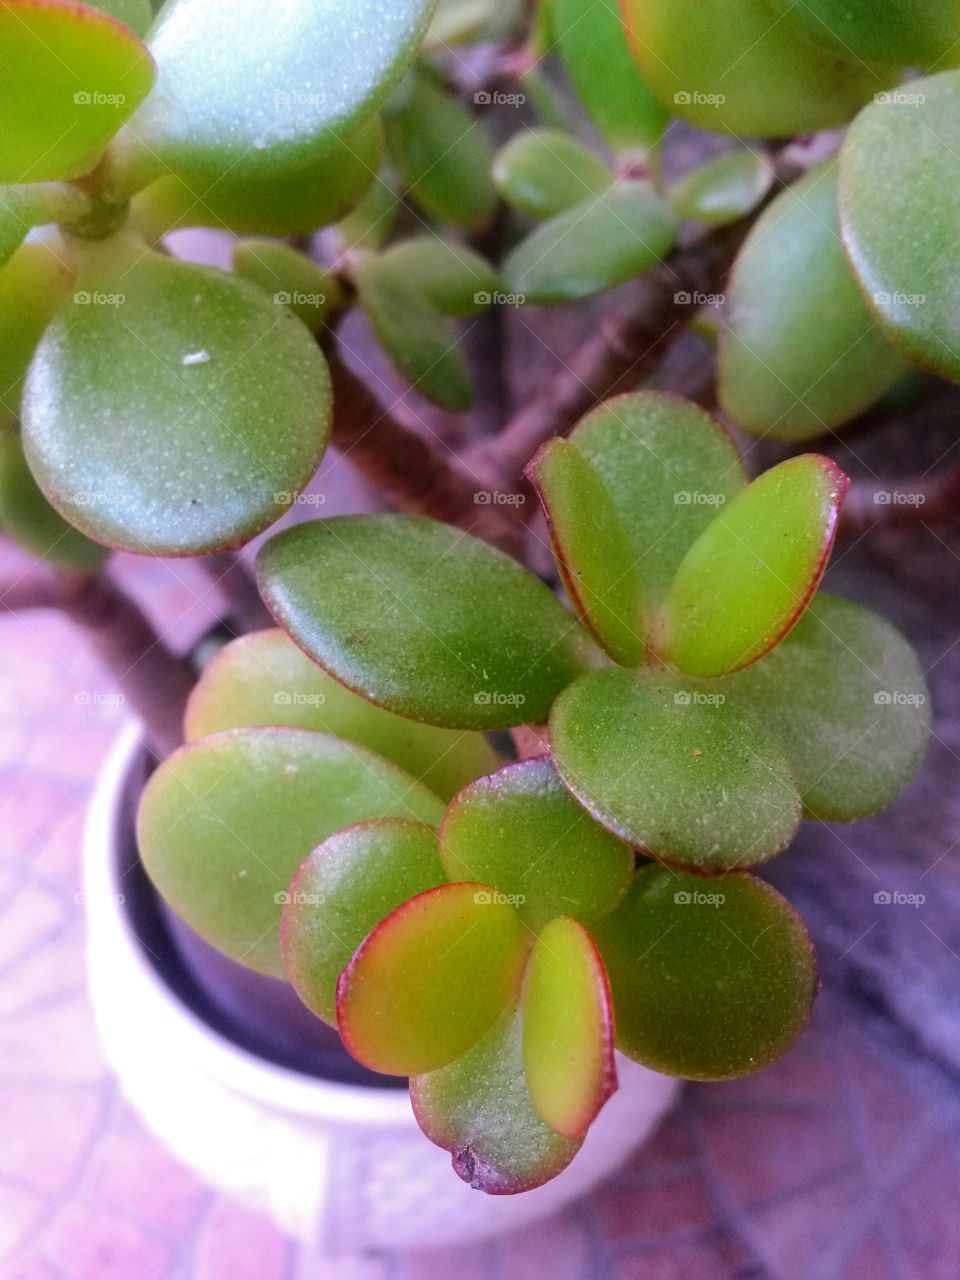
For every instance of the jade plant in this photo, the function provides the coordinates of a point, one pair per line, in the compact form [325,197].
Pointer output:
[495,816]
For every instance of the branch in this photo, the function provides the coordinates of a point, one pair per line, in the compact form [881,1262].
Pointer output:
[228,572]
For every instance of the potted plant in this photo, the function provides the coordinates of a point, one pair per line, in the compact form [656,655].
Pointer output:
[488,819]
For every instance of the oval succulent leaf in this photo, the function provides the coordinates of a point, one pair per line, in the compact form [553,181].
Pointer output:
[845,697]
[545,171]
[341,893]
[454,279]
[33,205]
[135,14]
[224,824]
[430,980]
[749,576]
[800,352]
[461,1107]
[734,67]
[672,767]
[71,77]
[592,246]
[263,679]
[711,979]
[169,407]
[568,1029]
[723,190]
[423,619]
[33,285]
[292,279]
[594,49]
[246,93]
[521,831]
[592,549]
[913,33]
[416,338]
[899,210]
[668,466]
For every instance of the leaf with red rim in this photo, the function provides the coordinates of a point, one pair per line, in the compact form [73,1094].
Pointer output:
[568,1029]
[71,77]
[749,576]
[431,979]
[711,979]
[521,831]
[479,1109]
[351,882]
[592,549]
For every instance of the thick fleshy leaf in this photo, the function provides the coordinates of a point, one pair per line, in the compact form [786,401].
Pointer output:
[423,619]
[800,351]
[909,33]
[415,336]
[430,980]
[711,979]
[899,211]
[458,22]
[71,77]
[521,831]
[454,279]
[594,49]
[351,882]
[846,698]
[264,679]
[479,1109]
[135,14]
[592,549]
[27,517]
[674,768]
[292,279]
[249,92]
[283,204]
[749,576]
[568,1028]
[444,155]
[545,171]
[371,223]
[669,467]
[593,246]
[170,408]
[33,205]
[734,67]
[33,285]
[224,824]
[723,190]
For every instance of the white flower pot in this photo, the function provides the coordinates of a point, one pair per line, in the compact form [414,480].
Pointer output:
[344,1168]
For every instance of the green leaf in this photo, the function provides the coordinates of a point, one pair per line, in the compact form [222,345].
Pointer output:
[172,409]
[592,246]
[594,49]
[135,14]
[458,22]
[454,279]
[33,285]
[521,831]
[723,190]
[592,549]
[444,155]
[845,696]
[800,352]
[463,1106]
[283,204]
[246,92]
[668,466]
[423,619]
[568,1029]
[351,882]
[224,824]
[899,211]
[264,679]
[909,33]
[22,208]
[749,576]
[430,980]
[415,337]
[711,979]
[371,223]
[732,67]
[543,172]
[71,77]
[671,766]
[292,279]
[27,517]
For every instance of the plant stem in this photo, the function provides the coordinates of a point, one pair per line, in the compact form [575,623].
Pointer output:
[245,610]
